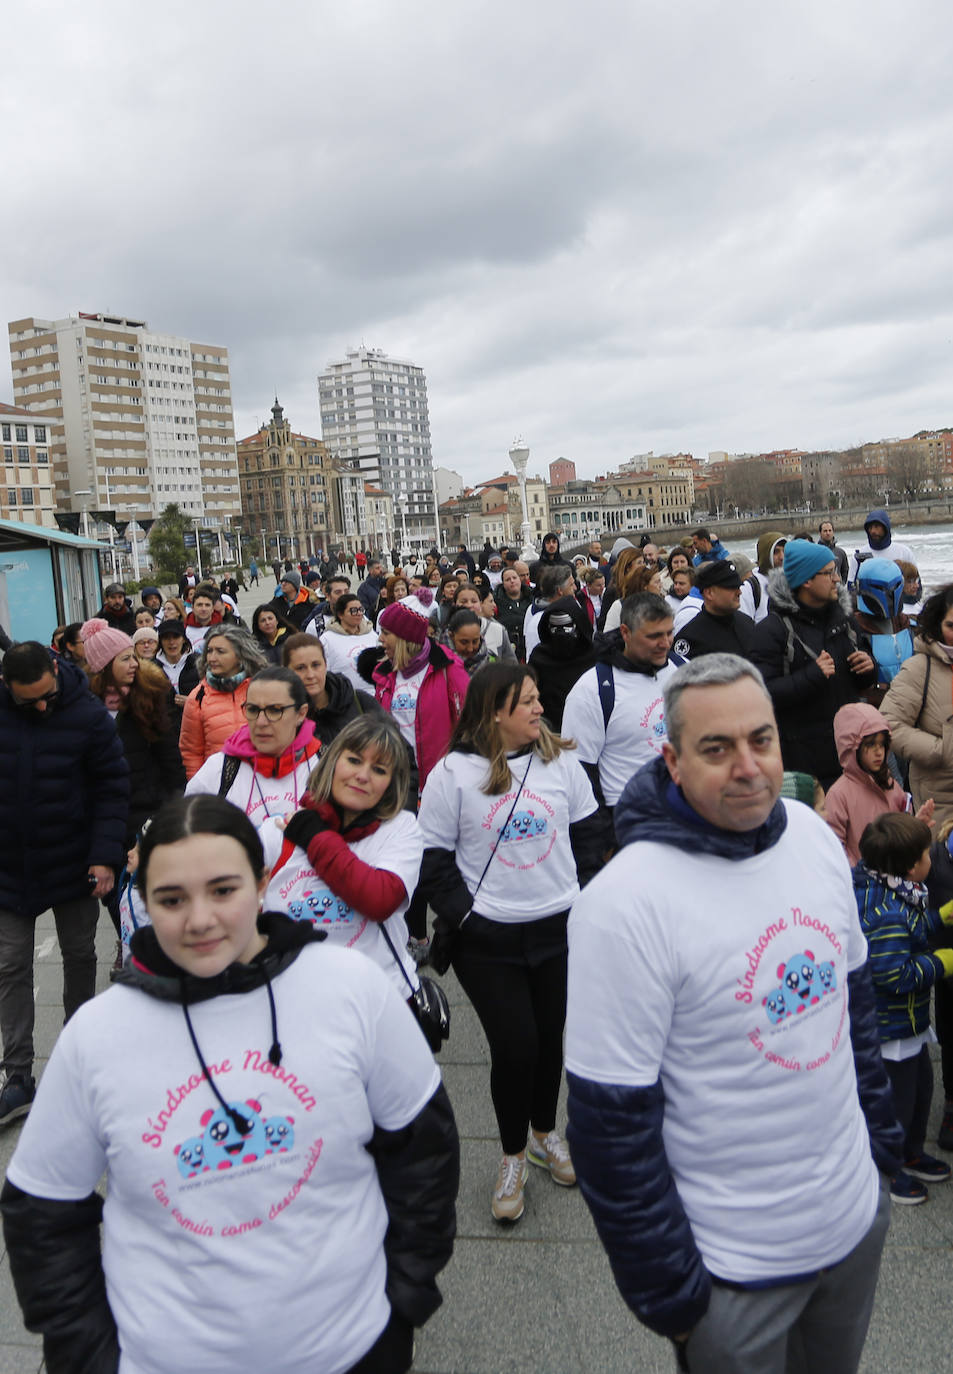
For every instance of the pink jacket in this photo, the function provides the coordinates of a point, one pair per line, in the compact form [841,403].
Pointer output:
[439,704]
[855,799]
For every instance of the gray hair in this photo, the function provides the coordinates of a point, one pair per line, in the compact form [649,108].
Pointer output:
[249,651]
[711,670]
[644,606]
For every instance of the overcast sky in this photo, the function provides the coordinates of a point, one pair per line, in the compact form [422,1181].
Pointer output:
[607,227]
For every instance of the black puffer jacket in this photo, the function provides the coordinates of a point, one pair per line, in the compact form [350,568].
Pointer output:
[615,1131]
[345,703]
[511,615]
[805,701]
[53,1246]
[64,799]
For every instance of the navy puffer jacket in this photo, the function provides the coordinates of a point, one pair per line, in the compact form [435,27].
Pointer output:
[65,796]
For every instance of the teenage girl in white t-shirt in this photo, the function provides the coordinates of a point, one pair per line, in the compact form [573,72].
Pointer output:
[348,861]
[274,1127]
[500,872]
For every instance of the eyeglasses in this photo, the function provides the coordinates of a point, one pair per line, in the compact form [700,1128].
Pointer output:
[271,713]
[353,610]
[47,697]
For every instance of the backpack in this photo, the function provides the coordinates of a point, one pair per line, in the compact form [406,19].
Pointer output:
[605,681]
[229,773]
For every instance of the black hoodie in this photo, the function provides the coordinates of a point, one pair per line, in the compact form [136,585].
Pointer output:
[345,703]
[561,660]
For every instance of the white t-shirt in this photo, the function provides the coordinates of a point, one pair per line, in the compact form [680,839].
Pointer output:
[531,625]
[727,980]
[296,890]
[533,872]
[636,729]
[196,634]
[403,706]
[687,611]
[224,1253]
[173,671]
[895,550]
[341,652]
[258,796]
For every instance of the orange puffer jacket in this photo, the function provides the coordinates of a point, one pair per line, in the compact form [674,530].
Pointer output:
[209,717]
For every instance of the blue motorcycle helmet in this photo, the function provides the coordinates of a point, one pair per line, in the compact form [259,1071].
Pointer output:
[880,587]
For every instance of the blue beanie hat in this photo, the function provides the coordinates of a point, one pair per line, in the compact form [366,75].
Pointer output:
[804,560]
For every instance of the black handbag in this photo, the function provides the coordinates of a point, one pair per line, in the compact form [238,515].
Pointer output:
[428,1002]
[446,937]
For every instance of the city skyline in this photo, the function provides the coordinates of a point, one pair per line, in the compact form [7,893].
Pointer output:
[689,229]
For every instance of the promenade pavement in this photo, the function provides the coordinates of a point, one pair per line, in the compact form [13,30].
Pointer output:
[540,1295]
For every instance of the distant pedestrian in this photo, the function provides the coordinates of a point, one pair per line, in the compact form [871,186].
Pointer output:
[253,572]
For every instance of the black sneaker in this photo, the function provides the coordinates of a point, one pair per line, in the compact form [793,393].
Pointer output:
[945,1138]
[927,1169]
[17,1096]
[907,1190]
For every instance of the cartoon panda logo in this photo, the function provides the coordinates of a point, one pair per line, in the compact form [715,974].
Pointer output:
[190,1157]
[224,1144]
[279,1133]
[800,981]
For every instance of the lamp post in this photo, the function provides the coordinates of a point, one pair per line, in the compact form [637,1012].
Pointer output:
[519,457]
[84,496]
[402,508]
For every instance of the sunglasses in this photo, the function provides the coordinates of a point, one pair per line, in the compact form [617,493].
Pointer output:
[49,696]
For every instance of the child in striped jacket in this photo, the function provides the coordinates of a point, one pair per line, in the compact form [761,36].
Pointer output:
[889,886]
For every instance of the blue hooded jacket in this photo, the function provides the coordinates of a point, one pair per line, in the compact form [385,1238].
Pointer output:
[615,1131]
[883,517]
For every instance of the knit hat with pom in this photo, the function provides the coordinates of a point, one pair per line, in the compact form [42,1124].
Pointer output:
[102,643]
[145,632]
[404,620]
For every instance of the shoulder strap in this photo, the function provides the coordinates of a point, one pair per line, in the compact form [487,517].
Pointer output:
[199,695]
[926,685]
[229,773]
[605,680]
[287,849]
[755,586]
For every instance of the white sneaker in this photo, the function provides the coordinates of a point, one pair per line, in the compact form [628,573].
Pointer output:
[508,1204]
[552,1153]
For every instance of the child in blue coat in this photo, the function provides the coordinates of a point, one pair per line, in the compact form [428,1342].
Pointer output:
[889,885]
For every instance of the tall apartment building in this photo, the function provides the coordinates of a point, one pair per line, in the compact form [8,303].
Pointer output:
[27,491]
[144,418]
[374,418]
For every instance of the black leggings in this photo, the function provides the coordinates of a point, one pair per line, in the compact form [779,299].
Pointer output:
[912,1083]
[515,976]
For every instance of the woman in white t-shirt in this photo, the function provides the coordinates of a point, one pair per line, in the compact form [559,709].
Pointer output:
[275,1126]
[500,871]
[348,861]
[348,635]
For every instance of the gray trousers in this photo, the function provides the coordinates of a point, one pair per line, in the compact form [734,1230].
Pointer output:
[817,1327]
[76,932]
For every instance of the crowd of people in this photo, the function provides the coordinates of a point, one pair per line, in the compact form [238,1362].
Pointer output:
[491,766]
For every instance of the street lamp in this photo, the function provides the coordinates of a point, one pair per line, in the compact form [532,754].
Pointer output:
[402,509]
[519,457]
[84,495]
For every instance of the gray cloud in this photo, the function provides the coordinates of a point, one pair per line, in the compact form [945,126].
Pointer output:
[610,229]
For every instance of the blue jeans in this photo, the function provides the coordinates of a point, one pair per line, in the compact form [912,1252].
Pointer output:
[76,932]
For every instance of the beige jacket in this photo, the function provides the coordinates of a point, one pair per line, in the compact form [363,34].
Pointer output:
[921,725]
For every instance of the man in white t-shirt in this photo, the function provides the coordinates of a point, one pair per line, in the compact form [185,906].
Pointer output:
[614,712]
[727,1100]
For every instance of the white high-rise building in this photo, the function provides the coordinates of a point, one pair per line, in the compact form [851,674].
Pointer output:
[145,419]
[374,418]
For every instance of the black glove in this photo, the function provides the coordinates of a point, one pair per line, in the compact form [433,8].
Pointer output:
[304,826]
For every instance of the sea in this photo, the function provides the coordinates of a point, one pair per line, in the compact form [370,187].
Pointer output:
[932,547]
